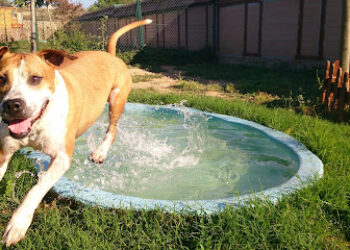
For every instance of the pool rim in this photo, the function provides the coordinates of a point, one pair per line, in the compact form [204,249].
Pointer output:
[310,169]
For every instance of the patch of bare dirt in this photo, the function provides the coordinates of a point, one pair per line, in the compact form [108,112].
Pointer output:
[137,71]
[161,84]
[167,81]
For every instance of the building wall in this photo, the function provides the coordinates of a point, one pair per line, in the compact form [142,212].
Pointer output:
[7,18]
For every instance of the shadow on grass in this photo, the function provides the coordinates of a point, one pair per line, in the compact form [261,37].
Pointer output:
[153,59]
[279,81]
[341,216]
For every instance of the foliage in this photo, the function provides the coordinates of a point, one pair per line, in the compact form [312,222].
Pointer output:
[102,43]
[20,3]
[4,1]
[23,45]
[100,4]
[62,7]
[66,8]
[72,39]
[38,3]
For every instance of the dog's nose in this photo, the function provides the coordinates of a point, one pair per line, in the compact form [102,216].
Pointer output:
[13,106]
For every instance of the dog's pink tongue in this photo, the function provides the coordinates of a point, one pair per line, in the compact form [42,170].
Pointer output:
[19,126]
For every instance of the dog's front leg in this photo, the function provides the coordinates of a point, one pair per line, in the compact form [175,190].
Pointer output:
[5,158]
[8,146]
[23,215]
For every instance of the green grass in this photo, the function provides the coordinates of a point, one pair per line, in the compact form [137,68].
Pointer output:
[23,45]
[191,86]
[281,81]
[227,90]
[317,217]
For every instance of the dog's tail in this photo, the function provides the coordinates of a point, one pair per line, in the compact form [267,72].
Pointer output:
[112,42]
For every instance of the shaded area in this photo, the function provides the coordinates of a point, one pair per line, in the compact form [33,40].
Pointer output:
[280,80]
[152,59]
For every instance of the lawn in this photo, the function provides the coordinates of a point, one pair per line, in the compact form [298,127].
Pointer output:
[315,217]
[281,80]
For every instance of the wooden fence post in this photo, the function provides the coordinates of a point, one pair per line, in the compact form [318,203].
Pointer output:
[336,90]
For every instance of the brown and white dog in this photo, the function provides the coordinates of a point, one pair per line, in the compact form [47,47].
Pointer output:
[47,100]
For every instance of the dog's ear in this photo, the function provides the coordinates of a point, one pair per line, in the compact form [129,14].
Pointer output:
[3,51]
[55,57]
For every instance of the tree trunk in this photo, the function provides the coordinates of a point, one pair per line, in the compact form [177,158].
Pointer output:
[33,33]
[345,38]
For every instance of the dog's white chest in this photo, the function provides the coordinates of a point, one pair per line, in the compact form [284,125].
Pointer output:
[48,134]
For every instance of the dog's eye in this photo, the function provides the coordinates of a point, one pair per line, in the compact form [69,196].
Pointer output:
[35,80]
[3,81]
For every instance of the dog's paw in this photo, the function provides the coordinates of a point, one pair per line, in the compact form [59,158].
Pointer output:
[16,229]
[97,158]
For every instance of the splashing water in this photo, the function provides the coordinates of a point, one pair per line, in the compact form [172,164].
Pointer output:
[162,153]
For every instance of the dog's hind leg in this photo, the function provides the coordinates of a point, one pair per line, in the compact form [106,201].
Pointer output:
[117,101]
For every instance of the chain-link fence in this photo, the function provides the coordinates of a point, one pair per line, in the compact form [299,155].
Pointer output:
[12,25]
[176,24]
[231,28]
[15,23]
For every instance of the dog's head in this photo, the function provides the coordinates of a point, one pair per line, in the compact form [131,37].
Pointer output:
[27,83]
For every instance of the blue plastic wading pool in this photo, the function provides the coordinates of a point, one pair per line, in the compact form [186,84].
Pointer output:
[182,159]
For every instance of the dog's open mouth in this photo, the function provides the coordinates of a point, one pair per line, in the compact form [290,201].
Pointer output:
[20,128]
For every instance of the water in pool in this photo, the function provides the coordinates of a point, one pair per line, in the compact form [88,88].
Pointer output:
[181,155]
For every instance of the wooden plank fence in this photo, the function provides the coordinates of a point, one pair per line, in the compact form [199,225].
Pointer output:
[336,90]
